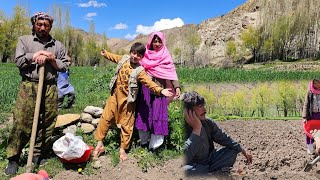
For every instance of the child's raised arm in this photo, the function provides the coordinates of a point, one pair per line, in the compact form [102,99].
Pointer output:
[110,56]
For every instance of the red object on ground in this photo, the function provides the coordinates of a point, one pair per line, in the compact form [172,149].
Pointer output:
[311,125]
[84,158]
[42,175]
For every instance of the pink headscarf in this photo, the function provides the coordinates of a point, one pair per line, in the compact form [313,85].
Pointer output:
[312,89]
[159,64]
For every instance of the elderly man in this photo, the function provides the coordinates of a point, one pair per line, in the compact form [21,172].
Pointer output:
[33,51]
[201,156]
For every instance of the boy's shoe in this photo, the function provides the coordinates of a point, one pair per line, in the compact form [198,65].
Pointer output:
[310,149]
[12,168]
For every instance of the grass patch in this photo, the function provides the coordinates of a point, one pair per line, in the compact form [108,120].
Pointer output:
[148,159]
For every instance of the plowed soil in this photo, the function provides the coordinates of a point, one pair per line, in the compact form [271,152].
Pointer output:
[278,148]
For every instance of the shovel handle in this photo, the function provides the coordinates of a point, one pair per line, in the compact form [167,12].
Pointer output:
[35,119]
[315,160]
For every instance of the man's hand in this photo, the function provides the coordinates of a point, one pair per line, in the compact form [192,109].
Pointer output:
[42,56]
[166,92]
[193,121]
[50,55]
[41,59]
[248,156]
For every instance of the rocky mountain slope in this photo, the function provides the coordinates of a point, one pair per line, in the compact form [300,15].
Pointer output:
[214,33]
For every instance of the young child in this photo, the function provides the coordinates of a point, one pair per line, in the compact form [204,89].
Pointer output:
[118,107]
[311,109]
[200,154]
[152,119]
[65,89]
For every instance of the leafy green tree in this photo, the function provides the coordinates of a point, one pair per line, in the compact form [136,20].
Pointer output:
[10,30]
[261,99]
[91,49]
[208,96]
[76,46]
[285,97]
[192,42]
[240,102]
[250,40]
[103,45]
[224,103]
[231,49]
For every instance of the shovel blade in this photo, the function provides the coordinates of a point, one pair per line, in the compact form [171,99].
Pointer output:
[307,167]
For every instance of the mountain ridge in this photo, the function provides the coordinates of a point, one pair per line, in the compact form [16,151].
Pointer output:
[214,34]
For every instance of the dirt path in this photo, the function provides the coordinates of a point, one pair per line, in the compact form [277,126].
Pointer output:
[277,146]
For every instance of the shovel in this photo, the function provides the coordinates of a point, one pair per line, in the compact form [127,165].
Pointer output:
[309,165]
[35,118]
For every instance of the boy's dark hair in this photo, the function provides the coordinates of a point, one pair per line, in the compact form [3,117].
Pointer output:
[138,48]
[192,99]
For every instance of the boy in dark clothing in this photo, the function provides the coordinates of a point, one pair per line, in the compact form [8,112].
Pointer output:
[201,156]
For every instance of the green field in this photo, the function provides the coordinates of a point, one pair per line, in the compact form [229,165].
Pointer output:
[273,95]
[91,85]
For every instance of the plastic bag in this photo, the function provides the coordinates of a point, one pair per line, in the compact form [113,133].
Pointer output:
[69,147]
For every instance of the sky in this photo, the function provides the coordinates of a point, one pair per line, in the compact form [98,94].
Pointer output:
[126,19]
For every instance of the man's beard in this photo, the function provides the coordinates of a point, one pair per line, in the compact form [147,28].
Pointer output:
[42,34]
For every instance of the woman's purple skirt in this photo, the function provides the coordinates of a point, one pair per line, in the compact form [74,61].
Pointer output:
[152,112]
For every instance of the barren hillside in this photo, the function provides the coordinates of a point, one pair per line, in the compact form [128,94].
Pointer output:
[214,32]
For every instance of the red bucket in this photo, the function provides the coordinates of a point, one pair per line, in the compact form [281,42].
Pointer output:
[84,158]
[311,125]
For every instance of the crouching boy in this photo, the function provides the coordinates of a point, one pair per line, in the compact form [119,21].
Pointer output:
[201,156]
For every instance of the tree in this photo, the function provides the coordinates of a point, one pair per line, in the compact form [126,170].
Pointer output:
[90,48]
[250,40]
[10,30]
[192,41]
[177,55]
[75,46]
[231,49]
[289,30]
[286,97]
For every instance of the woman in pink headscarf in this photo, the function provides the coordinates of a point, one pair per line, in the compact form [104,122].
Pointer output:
[311,110]
[152,110]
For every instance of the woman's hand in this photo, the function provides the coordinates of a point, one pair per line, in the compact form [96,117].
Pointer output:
[166,92]
[178,93]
